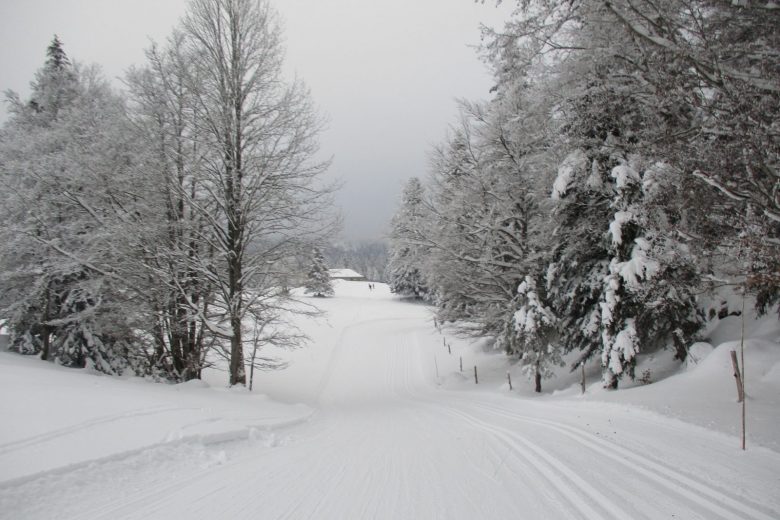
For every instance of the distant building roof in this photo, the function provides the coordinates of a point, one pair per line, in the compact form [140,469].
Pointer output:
[345,274]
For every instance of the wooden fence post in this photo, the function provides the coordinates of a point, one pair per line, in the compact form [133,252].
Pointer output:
[742,373]
[461,363]
[449,348]
[737,376]
[582,382]
[509,380]
[476,379]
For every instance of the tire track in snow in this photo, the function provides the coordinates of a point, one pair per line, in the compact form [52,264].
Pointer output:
[725,505]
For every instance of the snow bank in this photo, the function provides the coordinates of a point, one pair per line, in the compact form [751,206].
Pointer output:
[697,353]
[702,391]
[55,418]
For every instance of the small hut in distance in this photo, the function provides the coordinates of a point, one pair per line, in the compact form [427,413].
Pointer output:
[346,274]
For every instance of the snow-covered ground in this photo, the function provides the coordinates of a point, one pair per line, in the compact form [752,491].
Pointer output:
[375,420]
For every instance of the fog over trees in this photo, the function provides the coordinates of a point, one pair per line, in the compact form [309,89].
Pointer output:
[367,257]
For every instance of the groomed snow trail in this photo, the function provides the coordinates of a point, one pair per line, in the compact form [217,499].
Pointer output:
[387,442]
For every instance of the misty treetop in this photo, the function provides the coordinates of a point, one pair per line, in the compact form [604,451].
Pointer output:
[627,162]
[145,230]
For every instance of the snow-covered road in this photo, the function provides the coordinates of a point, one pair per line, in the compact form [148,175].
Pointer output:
[387,441]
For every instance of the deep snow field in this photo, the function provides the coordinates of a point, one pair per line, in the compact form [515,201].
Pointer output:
[374,419]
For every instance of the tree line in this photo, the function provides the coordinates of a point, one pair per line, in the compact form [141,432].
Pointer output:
[626,163]
[144,229]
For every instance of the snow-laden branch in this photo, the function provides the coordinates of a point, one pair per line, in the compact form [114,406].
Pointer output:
[713,74]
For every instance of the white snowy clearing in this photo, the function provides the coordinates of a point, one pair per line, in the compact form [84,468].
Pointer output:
[375,420]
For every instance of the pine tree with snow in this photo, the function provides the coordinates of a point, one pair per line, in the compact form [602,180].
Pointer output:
[59,246]
[318,282]
[405,278]
[629,266]
[55,85]
[648,298]
[579,258]
[533,336]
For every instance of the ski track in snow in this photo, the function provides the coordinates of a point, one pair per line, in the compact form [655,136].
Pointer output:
[385,442]
[716,500]
[579,494]
[53,434]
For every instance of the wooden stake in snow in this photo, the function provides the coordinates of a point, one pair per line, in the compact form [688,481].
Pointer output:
[476,379]
[738,377]
[461,363]
[509,380]
[449,348]
[258,329]
[582,382]
[436,363]
[742,375]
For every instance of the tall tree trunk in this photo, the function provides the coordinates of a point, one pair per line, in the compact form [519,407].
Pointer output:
[237,371]
[612,383]
[235,305]
[538,379]
[159,340]
[45,328]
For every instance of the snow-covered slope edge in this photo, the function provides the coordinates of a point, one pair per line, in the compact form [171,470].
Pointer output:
[56,419]
[701,392]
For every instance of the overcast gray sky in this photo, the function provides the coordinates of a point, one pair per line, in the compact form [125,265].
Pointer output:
[385,73]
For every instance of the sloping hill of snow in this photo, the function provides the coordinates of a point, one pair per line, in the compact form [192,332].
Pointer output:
[702,392]
[55,419]
[706,394]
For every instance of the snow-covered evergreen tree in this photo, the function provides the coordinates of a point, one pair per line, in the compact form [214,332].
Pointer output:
[534,337]
[578,261]
[64,158]
[318,280]
[648,299]
[713,79]
[55,86]
[406,258]
[630,266]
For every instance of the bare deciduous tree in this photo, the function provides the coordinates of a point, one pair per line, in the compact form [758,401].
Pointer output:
[260,173]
